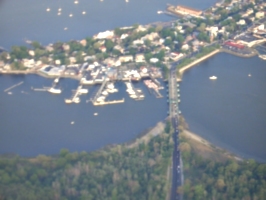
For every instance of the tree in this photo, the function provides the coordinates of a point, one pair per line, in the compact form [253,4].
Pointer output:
[36,45]
[109,44]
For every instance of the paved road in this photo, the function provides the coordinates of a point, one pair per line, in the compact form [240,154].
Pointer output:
[173,112]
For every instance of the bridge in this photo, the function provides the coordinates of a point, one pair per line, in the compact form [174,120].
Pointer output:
[173,115]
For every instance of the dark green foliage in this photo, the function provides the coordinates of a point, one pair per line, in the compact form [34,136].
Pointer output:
[113,173]
[207,179]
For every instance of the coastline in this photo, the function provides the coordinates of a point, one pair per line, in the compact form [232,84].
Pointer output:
[213,53]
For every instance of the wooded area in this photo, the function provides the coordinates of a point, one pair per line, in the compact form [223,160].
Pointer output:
[115,173]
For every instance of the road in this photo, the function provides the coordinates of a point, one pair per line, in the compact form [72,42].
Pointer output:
[173,114]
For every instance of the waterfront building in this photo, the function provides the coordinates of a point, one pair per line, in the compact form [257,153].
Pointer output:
[83,42]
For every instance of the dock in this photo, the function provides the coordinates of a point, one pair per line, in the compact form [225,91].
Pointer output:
[107,102]
[99,91]
[16,85]
[158,94]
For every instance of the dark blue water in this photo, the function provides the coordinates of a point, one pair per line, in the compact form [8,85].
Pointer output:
[28,19]
[35,123]
[230,111]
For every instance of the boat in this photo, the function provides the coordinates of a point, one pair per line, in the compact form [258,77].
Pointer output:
[83,13]
[133,96]
[110,86]
[68,101]
[213,77]
[9,93]
[59,9]
[105,93]
[249,75]
[70,15]
[159,12]
[59,13]
[83,91]
[72,122]
[263,57]
[126,1]
[95,114]
[54,90]
[76,100]
[76,2]
[56,80]
[48,9]
[65,28]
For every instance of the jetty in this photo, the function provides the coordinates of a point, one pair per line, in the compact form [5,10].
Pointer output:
[16,85]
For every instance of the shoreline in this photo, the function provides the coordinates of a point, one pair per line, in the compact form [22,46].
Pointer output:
[213,53]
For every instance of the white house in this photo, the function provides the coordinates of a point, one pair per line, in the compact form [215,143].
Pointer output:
[139,58]
[126,58]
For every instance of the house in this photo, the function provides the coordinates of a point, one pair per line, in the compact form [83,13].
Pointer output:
[49,48]
[139,58]
[123,36]
[259,14]
[72,60]
[57,62]
[241,22]
[102,49]
[176,56]
[154,60]
[185,47]
[104,35]
[83,42]
[125,58]
[31,53]
[29,63]
[66,47]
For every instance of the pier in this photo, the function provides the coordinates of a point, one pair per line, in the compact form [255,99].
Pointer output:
[107,102]
[99,91]
[16,85]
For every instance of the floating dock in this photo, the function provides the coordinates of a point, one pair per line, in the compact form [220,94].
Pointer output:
[16,85]
[107,102]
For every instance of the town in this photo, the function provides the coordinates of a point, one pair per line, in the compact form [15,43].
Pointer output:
[145,51]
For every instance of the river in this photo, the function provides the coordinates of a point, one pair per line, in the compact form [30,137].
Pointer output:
[229,112]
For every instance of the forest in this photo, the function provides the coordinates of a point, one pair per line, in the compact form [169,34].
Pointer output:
[121,172]
[212,179]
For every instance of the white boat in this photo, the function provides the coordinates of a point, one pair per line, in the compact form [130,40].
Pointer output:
[104,93]
[159,12]
[72,122]
[249,75]
[48,9]
[68,101]
[56,80]
[83,91]
[76,2]
[95,114]
[133,96]
[110,86]
[76,100]
[70,15]
[59,13]
[54,90]
[59,9]
[9,93]
[83,13]
[213,77]
[65,28]
[263,57]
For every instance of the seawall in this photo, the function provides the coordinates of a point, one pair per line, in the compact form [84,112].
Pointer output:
[183,69]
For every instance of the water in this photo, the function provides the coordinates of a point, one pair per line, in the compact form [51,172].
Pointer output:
[230,111]
[35,123]
[28,19]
